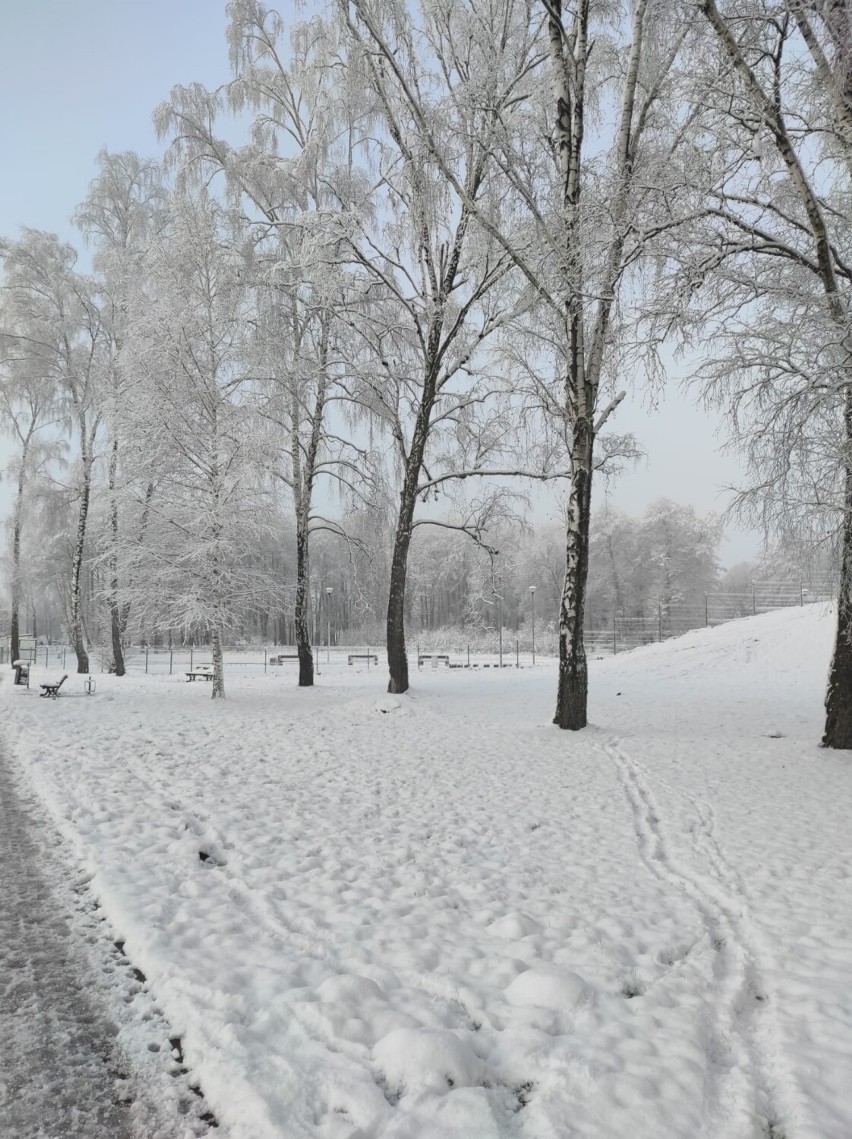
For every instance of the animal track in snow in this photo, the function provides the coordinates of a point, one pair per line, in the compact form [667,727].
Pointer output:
[744,1037]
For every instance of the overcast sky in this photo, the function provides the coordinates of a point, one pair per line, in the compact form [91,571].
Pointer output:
[80,75]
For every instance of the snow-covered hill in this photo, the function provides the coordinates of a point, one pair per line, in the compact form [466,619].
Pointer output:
[438,916]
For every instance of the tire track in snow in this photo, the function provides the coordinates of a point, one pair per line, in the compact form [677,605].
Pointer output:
[745,1043]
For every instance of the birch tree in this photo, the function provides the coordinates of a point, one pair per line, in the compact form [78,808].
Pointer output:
[284,183]
[27,412]
[187,342]
[441,78]
[767,272]
[580,217]
[57,328]
[124,208]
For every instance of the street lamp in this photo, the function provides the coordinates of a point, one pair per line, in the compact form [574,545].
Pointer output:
[532,598]
[328,592]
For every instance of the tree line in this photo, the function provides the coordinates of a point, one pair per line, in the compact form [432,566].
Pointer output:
[449,242]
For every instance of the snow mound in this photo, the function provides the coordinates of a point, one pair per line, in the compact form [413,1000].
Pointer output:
[351,988]
[515,926]
[415,1059]
[387,704]
[548,987]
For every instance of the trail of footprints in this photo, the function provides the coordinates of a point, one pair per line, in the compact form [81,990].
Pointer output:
[744,1021]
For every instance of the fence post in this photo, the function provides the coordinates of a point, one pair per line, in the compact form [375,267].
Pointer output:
[46,651]
[468,656]
[614,640]
[801,594]
[418,655]
[63,660]
[264,662]
[368,658]
[706,611]
[517,653]
[190,658]
[146,660]
[660,621]
[171,658]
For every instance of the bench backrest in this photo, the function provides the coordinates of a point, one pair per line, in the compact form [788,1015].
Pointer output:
[62,681]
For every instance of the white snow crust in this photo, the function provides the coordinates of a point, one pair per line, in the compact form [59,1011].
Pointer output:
[436,916]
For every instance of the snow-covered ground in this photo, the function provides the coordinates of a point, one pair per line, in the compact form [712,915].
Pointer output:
[438,917]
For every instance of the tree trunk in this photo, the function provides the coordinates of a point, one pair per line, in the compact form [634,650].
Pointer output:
[114,609]
[395,628]
[838,700]
[15,627]
[218,663]
[573,685]
[76,614]
[397,655]
[300,622]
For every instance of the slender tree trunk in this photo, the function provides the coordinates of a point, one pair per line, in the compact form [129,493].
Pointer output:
[573,684]
[838,700]
[114,608]
[300,615]
[17,525]
[76,613]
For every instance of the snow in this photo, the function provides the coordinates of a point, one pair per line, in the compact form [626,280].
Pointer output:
[437,915]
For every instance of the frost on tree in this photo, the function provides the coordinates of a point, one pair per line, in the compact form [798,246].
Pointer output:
[57,330]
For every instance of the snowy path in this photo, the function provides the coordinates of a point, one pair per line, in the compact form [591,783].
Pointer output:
[85,1050]
[59,1074]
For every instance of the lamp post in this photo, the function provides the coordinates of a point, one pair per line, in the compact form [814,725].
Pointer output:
[328,592]
[532,599]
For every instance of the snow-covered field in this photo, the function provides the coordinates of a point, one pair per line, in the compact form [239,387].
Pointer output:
[438,917]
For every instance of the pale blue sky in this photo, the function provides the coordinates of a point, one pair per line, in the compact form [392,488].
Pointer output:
[79,75]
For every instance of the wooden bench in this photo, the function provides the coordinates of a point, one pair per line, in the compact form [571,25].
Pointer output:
[52,689]
[279,658]
[362,656]
[22,672]
[436,658]
[205,673]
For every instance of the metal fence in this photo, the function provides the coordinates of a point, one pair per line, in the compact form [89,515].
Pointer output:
[481,649]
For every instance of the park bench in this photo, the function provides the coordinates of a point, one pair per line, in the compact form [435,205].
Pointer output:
[279,658]
[435,658]
[52,689]
[22,672]
[362,656]
[203,671]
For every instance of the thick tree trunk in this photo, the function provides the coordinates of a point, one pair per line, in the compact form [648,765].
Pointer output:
[838,700]
[397,654]
[115,615]
[395,629]
[573,685]
[300,615]
[76,612]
